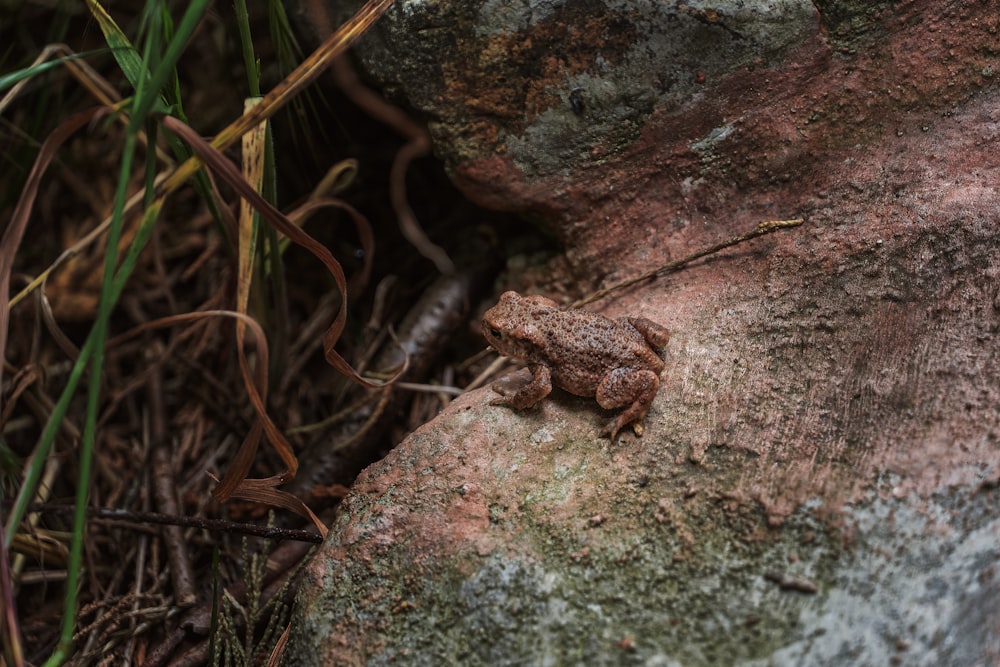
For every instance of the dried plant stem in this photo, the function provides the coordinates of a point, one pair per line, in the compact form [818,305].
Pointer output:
[274,100]
[761,229]
[165,489]
[218,525]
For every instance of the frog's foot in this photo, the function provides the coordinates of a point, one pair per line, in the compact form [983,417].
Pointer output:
[528,395]
[618,423]
[634,389]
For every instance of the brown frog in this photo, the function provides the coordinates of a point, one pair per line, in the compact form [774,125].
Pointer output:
[586,354]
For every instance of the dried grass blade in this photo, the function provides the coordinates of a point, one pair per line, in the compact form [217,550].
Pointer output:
[228,172]
[235,483]
[274,660]
[307,72]
[366,237]
[256,385]
[264,491]
[14,233]
[253,172]
[302,76]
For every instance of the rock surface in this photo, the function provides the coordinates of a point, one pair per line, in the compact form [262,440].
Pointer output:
[695,115]
[818,480]
[826,425]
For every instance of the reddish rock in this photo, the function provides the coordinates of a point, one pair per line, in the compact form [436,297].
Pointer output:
[827,420]
[790,89]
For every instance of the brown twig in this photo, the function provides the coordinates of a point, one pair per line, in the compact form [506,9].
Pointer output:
[761,229]
[220,525]
[165,491]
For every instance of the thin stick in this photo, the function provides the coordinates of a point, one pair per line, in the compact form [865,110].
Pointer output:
[164,485]
[762,228]
[221,525]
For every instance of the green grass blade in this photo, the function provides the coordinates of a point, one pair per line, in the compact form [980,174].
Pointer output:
[250,61]
[99,336]
[128,59]
[93,354]
[165,69]
[11,79]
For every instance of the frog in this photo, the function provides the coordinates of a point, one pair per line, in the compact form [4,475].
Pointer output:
[616,361]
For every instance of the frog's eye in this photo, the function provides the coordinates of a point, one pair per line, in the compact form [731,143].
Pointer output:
[494,332]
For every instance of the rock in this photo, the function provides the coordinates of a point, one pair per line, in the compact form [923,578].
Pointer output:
[817,483]
[827,421]
[501,77]
[696,118]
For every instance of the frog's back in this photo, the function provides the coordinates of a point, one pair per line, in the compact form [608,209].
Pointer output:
[581,348]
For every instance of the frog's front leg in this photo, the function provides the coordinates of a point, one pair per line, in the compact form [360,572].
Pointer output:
[627,387]
[538,388]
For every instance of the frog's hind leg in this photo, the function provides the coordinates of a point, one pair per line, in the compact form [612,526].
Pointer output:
[631,388]
[655,334]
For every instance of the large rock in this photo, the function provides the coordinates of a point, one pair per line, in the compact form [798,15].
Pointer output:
[543,83]
[694,115]
[818,479]
[829,411]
